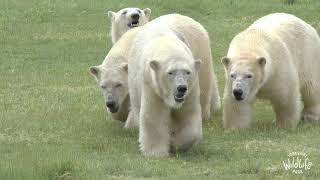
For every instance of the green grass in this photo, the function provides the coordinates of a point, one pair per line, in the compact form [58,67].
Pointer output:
[52,120]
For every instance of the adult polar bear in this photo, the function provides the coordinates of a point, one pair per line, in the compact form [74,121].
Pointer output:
[126,19]
[278,58]
[112,76]
[164,89]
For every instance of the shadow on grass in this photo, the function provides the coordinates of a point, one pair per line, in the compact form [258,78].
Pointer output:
[61,170]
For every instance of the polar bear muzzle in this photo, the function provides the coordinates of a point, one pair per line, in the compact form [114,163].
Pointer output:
[237,93]
[134,20]
[240,89]
[180,93]
[181,79]
[112,105]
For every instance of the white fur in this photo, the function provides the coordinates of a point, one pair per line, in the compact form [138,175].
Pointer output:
[120,21]
[112,70]
[162,121]
[291,48]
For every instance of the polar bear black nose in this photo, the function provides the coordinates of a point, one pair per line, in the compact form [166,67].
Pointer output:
[135,16]
[182,88]
[238,93]
[111,104]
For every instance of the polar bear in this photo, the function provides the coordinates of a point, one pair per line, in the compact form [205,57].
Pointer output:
[277,58]
[125,19]
[166,83]
[112,76]
[196,38]
[169,90]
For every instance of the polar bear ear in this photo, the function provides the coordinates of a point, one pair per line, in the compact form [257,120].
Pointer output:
[147,12]
[225,61]
[155,65]
[262,61]
[111,15]
[124,66]
[197,64]
[95,70]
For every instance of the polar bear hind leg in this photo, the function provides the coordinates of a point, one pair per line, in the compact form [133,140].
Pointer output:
[311,99]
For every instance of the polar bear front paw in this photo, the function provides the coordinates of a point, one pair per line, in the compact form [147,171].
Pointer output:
[131,122]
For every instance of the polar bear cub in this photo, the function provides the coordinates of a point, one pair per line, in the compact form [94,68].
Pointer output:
[112,77]
[165,92]
[125,19]
[277,58]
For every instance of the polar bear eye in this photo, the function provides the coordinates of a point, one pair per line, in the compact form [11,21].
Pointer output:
[118,85]
[103,87]
[170,73]
[139,11]
[124,12]
[232,75]
[188,72]
[249,76]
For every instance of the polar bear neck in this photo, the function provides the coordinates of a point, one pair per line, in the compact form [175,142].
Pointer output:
[120,50]
[116,33]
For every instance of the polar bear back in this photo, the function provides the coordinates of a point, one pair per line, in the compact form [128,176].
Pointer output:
[300,38]
[118,54]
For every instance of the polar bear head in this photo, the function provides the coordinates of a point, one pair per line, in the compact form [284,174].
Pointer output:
[113,82]
[173,73]
[244,76]
[126,19]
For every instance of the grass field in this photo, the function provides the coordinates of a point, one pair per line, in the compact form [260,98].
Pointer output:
[53,124]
